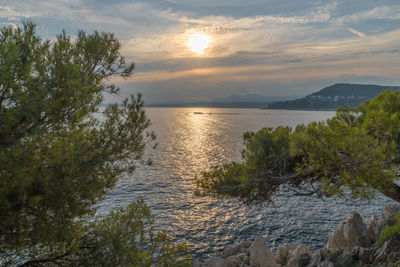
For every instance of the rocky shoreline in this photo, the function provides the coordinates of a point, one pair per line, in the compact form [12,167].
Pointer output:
[353,243]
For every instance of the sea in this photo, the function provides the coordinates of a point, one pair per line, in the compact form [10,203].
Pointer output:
[192,140]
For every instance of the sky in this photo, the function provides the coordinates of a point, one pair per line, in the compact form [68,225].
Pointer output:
[271,47]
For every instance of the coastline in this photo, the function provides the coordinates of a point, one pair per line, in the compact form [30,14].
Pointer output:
[352,243]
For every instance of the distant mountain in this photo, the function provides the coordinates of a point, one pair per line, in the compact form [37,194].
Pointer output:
[232,101]
[212,104]
[252,98]
[330,98]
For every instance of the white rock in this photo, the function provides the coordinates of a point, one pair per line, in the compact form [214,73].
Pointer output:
[390,211]
[299,261]
[355,232]
[376,226]
[233,261]
[261,255]
[301,249]
[283,253]
[336,238]
[215,262]
[295,258]
[349,234]
[235,248]
[373,229]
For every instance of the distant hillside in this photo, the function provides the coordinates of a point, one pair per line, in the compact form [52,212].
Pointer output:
[330,98]
[252,98]
[232,101]
[227,104]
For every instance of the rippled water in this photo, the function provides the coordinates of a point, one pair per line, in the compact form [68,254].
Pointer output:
[191,140]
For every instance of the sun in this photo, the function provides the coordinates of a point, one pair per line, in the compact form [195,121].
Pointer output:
[198,42]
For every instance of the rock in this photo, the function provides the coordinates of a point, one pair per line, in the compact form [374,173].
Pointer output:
[297,257]
[315,261]
[388,216]
[326,263]
[261,255]
[301,249]
[325,253]
[283,253]
[336,239]
[349,234]
[375,226]
[233,261]
[215,262]
[235,249]
[322,255]
[299,261]
[244,250]
[390,211]
[382,253]
[355,232]
[363,254]
[197,263]
[242,256]
[373,229]
[345,259]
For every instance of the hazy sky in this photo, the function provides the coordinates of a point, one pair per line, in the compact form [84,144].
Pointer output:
[273,47]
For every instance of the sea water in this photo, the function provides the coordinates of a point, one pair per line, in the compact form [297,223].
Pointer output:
[192,140]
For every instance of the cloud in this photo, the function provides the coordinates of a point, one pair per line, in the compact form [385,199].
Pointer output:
[358,33]
[314,15]
[391,12]
[11,14]
[253,45]
[9,24]
[255,32]
[262,51]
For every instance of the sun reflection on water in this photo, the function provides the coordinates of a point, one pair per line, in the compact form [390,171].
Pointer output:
[197,142]
[196,149]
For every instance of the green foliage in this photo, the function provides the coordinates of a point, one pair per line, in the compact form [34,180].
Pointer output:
[354,154]
[390,231]
[58,158]
[246,260]
[266,150]
[127,238]
[123,238]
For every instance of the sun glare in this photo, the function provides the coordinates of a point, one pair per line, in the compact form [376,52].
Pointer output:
[198,42]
